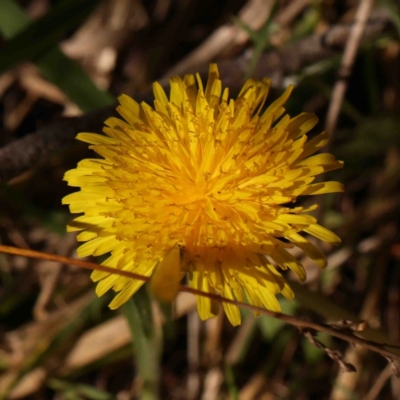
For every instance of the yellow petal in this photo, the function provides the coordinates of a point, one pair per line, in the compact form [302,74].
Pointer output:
[125,294]
[268,299]
[232,311]
[319,188]
[205,306]
[323,234]
[160,97]
[315,144]
[285,259]
[84,222]
[287,292]
[94,138]
[165,282]
[276,108]
[98,246]
[312,251]
[301,124]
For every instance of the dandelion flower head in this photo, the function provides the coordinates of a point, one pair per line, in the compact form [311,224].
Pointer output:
[202,185]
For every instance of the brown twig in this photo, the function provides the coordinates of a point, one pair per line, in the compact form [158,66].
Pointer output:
[335,355]
[363,11]
[302,325]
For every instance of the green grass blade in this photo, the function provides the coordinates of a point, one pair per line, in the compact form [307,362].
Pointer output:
[34,38]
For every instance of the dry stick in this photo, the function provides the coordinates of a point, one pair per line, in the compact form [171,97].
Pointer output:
[363,11]
[378,385]
[303,326]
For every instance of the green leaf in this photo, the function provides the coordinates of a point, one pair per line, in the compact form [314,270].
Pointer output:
[270,326]
[73,81]
[146,341]
[37,42]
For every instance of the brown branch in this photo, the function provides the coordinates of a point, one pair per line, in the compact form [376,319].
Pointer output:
[302,325]
[37,147]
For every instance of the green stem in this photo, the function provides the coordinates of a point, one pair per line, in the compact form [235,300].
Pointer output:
[146,342]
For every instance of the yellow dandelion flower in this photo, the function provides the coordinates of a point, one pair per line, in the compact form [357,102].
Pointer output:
[201,185]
